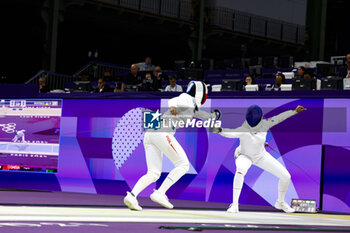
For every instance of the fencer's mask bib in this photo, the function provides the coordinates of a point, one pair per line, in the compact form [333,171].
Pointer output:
[254,115]
[199,91]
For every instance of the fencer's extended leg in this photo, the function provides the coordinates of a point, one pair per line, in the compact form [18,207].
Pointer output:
[243,163]
[270,164]
[178,157]
[173,150]
[154,166]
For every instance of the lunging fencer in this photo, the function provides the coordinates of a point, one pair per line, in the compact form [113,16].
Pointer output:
[20,136]
[252,135]
[181,108]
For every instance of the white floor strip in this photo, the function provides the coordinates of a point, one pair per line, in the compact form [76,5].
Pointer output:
[17,213]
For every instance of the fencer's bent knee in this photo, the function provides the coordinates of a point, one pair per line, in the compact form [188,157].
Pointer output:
[184,164]
[153,175]
[285,176]
[241,171]
[187,166]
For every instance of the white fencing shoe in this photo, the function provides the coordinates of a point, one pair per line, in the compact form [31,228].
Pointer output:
[233,209]
[161,199]
[131,202]
[284,206]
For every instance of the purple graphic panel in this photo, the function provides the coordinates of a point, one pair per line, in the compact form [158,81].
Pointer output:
[336,187]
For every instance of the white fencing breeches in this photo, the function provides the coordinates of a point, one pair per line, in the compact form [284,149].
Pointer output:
[155,144]
[265,162]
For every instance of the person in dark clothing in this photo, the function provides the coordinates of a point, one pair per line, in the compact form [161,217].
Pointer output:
[148,83]
[102,87]
[301,71]
[279,80]
[43,87]
[132,79]
[159,76]
[345,71]
[309,74]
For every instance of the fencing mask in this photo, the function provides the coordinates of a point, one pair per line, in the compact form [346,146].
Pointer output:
[199,91]
[254,115]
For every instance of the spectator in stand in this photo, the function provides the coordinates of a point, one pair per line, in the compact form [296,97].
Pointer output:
[84,76]
[43,87]
[102,87]
[147,65]
[119,79]
[148,83]
[279,80]
[309,73]
[159,76]
[173,87]
[107,75]
[345,71]
[249,80]
[300,71]
[133,80]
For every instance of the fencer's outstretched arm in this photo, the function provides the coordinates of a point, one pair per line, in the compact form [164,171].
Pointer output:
[173,102]
[203,115]
[183,104]
[231,133]
[283,116]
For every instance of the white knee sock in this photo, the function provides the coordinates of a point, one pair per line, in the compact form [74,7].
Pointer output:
[282,189]
[237,187]
[171,179]
[143,182]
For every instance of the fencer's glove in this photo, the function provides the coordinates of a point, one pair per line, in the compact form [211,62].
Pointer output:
[215,129]
[217,114]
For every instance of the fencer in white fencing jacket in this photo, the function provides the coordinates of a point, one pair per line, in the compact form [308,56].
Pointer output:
[252,139]
[188,106]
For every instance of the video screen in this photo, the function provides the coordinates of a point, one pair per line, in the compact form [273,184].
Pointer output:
[29,135]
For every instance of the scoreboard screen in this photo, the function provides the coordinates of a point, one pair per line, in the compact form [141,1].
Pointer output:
[29,135]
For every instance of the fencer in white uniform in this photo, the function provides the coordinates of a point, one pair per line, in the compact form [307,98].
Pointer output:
[252,136]
[19,136]
[181,108]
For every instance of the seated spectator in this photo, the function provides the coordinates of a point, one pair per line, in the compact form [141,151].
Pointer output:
[132,79]
[300,72]
[43,87]
[119,81]
[107,75]
[279,80]
[84,76]
[159,76]
[249,80]
[173,87]
[309,73]
[102,87]
[148,83]
[345,71]
[146,66]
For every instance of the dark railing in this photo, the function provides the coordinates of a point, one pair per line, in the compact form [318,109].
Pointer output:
[96,69]
[54,80]
[180,9]
[256,25]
